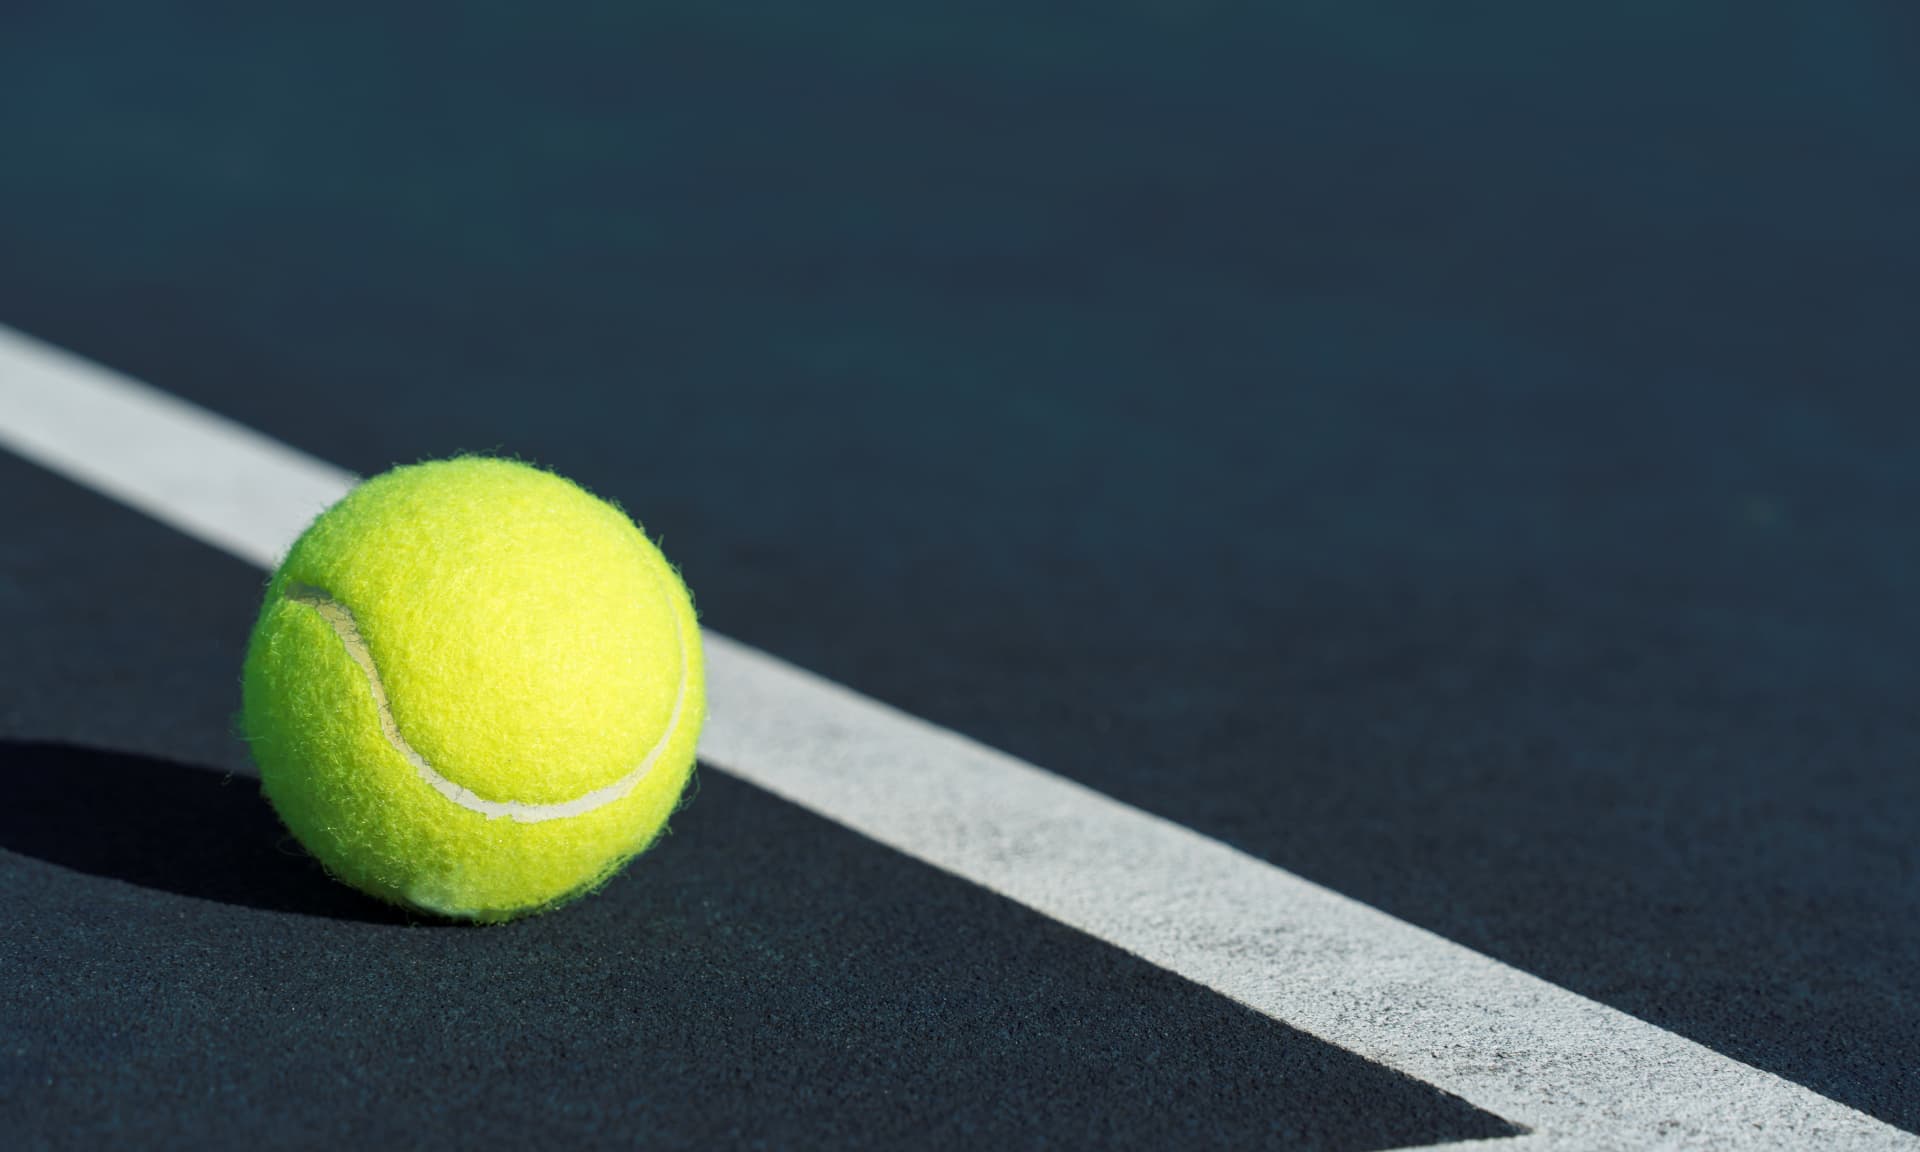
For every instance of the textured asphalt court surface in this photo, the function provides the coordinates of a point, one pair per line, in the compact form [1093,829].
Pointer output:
[1462,461]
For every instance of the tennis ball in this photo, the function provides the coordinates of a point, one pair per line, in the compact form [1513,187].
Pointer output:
[474,689]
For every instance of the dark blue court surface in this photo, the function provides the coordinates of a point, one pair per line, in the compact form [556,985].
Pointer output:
[1463,454]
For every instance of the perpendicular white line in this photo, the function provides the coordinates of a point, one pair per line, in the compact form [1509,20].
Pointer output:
[1525,1142]
[1581,1074]
[1577,1074]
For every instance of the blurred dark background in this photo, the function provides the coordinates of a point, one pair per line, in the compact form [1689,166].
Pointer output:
[1461,453]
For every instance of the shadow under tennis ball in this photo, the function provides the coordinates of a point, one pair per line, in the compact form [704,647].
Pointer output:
[169,826]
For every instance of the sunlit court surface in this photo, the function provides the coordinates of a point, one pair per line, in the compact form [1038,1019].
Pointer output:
[1301,576]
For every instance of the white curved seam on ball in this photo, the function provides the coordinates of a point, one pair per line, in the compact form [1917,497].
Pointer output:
[340,618]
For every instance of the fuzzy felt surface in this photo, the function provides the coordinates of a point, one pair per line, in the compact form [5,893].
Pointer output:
[527,644]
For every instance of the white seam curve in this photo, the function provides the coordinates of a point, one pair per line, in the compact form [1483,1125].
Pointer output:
[340,618]
[1581,1075]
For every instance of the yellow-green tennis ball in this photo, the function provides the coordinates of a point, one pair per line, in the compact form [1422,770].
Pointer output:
[474,689]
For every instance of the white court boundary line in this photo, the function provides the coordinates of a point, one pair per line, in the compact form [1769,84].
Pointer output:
[1577,1074]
